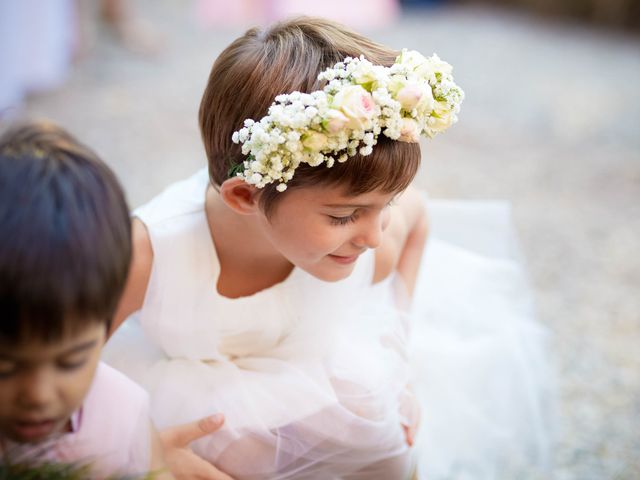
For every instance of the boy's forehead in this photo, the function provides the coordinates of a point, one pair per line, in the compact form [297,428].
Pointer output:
[34,344]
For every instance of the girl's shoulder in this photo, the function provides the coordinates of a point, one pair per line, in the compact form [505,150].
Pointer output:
[170,234]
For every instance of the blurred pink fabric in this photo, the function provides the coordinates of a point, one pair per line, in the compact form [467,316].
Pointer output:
[360,14]
[113,428]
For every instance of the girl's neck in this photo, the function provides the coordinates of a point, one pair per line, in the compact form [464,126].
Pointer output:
[248,261]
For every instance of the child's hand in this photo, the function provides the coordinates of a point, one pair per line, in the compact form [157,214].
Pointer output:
[183,463]
[411,411]
[410,433]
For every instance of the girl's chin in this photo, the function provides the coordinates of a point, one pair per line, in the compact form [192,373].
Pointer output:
[333,272]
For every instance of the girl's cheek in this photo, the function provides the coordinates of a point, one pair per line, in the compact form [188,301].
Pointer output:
[386,218]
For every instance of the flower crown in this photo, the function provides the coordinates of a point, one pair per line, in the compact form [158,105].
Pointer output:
[415,96]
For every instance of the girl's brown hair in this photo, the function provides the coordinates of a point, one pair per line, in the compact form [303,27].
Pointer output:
[287,57]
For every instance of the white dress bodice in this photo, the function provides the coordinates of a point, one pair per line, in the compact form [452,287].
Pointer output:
[183,287]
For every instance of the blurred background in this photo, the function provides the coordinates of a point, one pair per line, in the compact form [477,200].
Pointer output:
[551,123]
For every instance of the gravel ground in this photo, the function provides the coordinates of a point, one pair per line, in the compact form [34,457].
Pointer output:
[551,123]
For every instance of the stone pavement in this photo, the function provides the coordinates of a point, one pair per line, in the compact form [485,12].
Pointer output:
[551,123]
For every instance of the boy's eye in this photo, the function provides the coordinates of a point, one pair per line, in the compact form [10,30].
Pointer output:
[72,363]
[7,368]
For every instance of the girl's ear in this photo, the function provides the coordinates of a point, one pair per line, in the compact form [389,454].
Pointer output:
[238,195]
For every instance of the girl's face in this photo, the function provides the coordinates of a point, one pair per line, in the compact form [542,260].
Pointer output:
[43,383]
[323,231]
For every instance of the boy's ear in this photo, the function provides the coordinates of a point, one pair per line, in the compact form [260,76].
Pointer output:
[239,196]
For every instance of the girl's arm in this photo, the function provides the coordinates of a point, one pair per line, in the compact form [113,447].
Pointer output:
[170,454]
[401,250]
[403,241]
[138,278]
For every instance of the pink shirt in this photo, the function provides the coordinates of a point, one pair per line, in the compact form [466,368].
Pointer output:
[111,430]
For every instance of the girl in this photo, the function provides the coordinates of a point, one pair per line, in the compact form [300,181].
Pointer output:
[65,250]
[275,289]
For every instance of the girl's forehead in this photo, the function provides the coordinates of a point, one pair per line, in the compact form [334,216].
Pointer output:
[338,196]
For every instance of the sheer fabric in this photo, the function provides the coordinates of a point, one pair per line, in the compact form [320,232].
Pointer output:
[312,376]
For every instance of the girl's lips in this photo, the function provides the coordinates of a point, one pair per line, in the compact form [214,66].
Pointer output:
[344,260]
[30,431]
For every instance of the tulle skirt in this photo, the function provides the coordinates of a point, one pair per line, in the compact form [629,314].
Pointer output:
[330,402]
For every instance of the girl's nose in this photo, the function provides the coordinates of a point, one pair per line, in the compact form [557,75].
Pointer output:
[370,233]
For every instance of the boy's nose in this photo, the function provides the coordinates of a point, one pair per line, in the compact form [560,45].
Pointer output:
[37,390]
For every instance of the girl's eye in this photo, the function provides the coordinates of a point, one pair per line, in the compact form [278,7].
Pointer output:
[342,220]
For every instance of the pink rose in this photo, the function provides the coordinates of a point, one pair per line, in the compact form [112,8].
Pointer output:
[409,96]
[356,104]
[416,96]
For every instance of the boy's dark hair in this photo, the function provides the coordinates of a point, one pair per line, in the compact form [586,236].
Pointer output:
[65,235]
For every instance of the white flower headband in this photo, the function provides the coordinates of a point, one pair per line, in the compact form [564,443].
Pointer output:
[413,97]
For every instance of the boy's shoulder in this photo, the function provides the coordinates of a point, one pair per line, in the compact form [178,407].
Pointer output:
[114,403]
[114,385]
[181,198]
[114,425]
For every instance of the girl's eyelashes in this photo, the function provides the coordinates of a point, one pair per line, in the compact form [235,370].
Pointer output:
[342,220]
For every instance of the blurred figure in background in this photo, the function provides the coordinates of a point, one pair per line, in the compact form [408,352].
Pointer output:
[39,41]
[363,14]
[123,20]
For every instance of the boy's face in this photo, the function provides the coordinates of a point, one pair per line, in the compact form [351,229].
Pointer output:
[323,231]
[43,383]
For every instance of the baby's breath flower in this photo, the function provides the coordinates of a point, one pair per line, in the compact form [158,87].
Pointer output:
[413,97]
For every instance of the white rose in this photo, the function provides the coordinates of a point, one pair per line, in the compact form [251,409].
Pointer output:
[440,66]
[314,141]
[425,67]
[411,59]
[365,76]
[357,105]
[335,121]
[427,102]
[396,84]
[409,130]
[442,118]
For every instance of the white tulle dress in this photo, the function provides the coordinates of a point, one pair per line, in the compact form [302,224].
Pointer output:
[313,377]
